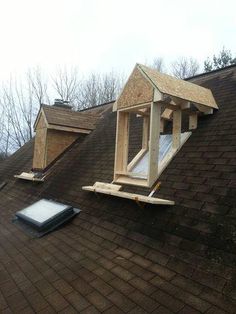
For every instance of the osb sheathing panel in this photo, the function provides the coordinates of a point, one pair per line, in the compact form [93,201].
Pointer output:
[57,142]
[41,122]
[137,90]
[40,148]
[179,88]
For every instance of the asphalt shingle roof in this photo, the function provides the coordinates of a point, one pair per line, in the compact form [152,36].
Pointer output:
[115,257]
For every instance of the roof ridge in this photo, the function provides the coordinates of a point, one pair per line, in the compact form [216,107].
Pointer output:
[67,111]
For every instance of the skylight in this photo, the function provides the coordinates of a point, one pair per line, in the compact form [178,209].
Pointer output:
[44,216]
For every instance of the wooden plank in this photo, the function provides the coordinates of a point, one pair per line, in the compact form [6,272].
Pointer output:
[145,136]
[122,142]
[41,120]
[177,117]
[145,105]
[131,196]
[40,147]
[193,121]
[136,159]
[107,186]
[68,129]
[167,114]
[28,176]
[206,110]
[131,181]
[155,121]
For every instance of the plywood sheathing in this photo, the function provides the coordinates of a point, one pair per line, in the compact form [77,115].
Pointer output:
[172,86]
[137,90]
[56,129]
[39,160]
[57,142]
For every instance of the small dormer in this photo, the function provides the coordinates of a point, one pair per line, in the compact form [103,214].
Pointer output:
[56,128]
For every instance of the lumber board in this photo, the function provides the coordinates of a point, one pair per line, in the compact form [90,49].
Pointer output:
[124,179]
[122,142]
[193,121]
[28,176]
[136,159]
[155,122]
[177,117]
[131,196]
[68,129]
[167,114]
[107,186]
[145,136]
[205,110]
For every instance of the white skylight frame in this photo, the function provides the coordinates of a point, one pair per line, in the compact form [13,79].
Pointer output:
[43,212]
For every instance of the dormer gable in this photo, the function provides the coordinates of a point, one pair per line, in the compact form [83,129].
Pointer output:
[56,129]
[157,98]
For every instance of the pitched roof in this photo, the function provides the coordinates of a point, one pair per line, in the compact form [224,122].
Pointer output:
[179,88]
[70,118]
[116,257]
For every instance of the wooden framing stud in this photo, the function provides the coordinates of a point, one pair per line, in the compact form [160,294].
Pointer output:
[177,117]
[145,137]
[122,143]
[193,117]
[155,123]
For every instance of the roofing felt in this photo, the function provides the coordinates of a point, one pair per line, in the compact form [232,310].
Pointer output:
[179,88]
[116,257]
[70,118]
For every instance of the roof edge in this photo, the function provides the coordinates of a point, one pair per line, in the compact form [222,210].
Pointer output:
[210,72]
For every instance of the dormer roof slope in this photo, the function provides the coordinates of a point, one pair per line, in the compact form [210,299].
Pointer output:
[69,118]
[145,83]
[179,88]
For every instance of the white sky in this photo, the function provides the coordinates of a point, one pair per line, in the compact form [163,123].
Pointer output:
[101,35]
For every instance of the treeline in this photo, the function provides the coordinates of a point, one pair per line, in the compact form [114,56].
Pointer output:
[20,100]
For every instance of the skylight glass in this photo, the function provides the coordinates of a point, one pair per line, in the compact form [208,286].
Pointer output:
[44,216]
[42,211]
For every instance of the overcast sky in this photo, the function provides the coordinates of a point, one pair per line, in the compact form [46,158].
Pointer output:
[101,35]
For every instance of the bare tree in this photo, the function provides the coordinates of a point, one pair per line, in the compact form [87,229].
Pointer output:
[39,84]
[185,67]
[19,104]
[98,89]
[66,84]
[158,64]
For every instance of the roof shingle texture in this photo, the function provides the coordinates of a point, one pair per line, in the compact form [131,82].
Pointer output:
[115,257]
[179,88]
[70,118]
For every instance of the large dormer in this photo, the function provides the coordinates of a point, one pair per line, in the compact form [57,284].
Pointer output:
[156,98]
[159,101]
